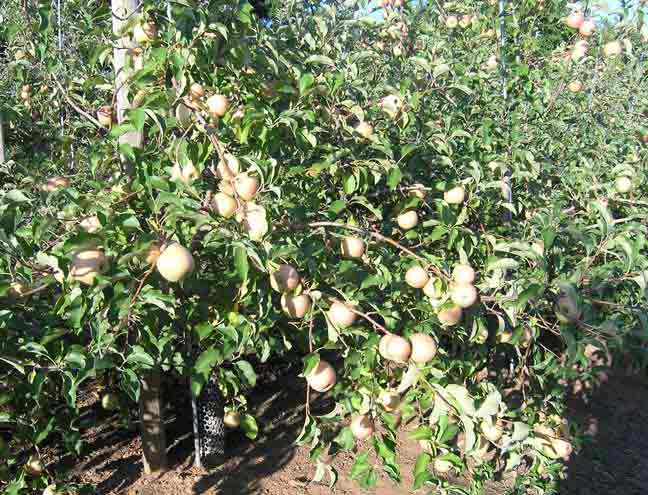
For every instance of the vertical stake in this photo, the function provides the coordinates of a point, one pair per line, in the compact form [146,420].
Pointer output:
[502,27]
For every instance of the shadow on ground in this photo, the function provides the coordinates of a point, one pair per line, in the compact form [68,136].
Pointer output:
[612,459]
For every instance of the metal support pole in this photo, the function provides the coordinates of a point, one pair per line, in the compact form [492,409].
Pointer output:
[502,27]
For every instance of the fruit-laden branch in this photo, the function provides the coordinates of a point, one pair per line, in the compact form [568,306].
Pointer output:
[378,236]
[78,109]
[363,315]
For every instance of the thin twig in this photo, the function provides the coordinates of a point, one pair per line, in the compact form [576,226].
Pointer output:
[74,105]
[363,315]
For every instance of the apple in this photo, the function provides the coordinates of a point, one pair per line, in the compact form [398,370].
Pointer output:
[285,278]
[255,223]
[442,466]
[463,295]
[232,419]
[450,316]
[341,315]
[395,348]
[612,49]
[587,28]
[391,105]
[228,169]
[50,490]
[90,224]
[353,247]
[224,204]
[492,432]
[184,114]
[455,196]
[110,402]
[492,63]
[86,264]
[463,274]
[152,253]
[296,306]
[364,129]
[465,20]
[362,427]
[246,186]
[217,105]
[416,277]
[623,184]
[144,33]
[417,191]
[424,348]
[389,400]
[575,86]
[104,116]
[575,20]
[561,447]
[407,220]
[430,289]
[322,378]
[34,466]
[196,91]
[184,174]
[175,262]
[451,21]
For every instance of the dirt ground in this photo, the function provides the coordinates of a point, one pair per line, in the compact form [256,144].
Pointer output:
[612,460]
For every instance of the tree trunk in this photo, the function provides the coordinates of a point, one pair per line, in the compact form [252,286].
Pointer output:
[152,425]
[150,403]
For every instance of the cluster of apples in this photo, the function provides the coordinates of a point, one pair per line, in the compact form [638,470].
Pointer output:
[577,20]
[25,93]
[453,21]
[391,3]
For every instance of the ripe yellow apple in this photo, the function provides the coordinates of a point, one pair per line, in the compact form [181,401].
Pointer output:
[395,348]
[144,33]
[416,277]
[285,278]
[185,174]
[451,21]
[110,402]
[254,220]
[407,220]
[196,91]
[175,262]
[296,306]
[587,28]
[424,348]
[217,105]
[86,264]
[389,400]
[90,224]
[450,316]
[575,20]
[492,432]
[104,116]
[463,295]
[322,378]
[575,86]
[341,315]
[353,247]
[362,427]
[442,466]
[612,49]
[246,186]
[55,183]
[430,289]
[623,184]
[224,204]
[228,169]
[364,129]
[34,466]
[232,419]
[455,196]
[463,274]
[492,63]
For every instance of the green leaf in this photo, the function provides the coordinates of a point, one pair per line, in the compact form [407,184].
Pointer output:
[306,81]
[207,360]
[44,433]
[439,70]
[139,356]
[319,59]
[337,206]
[520,431]
[17,196]
[394,178]
[247,372]
[490,406]
[494,263]
[137,117]
[241,262]
[249,425]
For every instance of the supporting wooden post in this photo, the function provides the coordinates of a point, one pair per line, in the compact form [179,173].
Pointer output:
[152,424]
[150,403]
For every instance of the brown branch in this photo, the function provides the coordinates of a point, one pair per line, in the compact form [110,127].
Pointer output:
[378,236]
[78,109]
[363,315]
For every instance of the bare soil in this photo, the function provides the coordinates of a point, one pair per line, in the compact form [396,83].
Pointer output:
[611,461]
